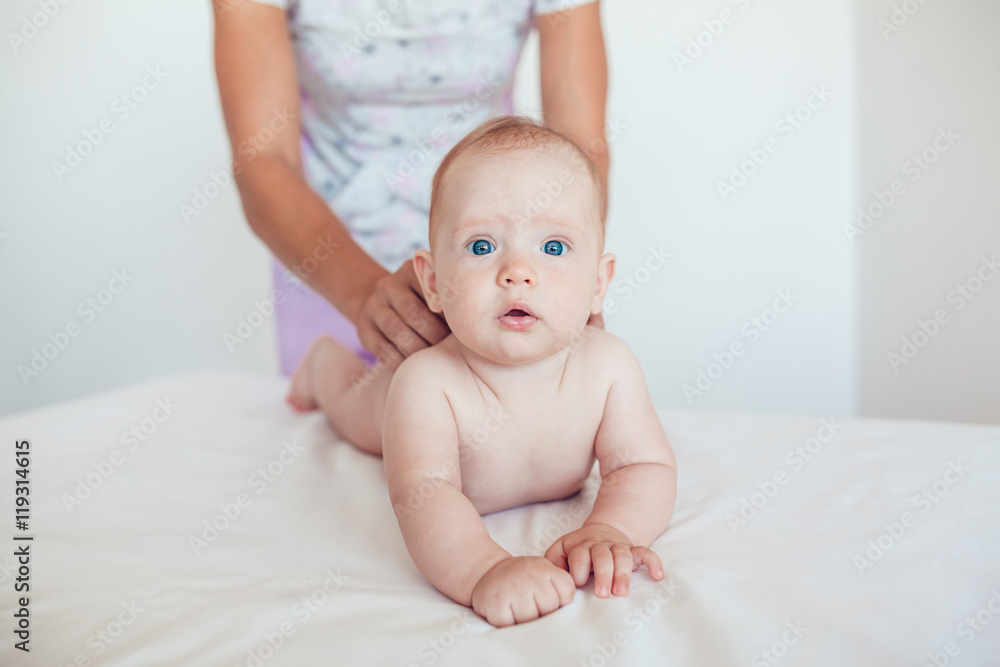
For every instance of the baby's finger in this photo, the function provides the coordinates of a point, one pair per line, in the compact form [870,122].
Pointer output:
[524,607]
[604,569]
[564,585]
[647,557]
[500,616]
[556,554]
[579,564]
[623,569]
[546,598]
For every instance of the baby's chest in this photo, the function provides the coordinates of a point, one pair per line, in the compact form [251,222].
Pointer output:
[533,450]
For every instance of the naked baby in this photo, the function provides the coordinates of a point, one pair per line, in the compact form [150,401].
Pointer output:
[516,266]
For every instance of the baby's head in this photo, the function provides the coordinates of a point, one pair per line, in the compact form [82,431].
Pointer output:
[516,238]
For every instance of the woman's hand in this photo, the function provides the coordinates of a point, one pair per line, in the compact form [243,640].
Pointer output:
[394,320]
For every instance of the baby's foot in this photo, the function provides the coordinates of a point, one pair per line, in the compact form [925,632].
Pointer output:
[301,396]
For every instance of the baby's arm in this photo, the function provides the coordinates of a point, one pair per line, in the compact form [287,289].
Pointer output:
[638,488]
[442,530]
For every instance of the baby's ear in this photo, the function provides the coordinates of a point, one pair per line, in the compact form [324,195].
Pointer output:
[423,266]
[605,272]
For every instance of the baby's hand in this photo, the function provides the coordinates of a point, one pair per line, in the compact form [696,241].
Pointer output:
[520,589]
[606,551]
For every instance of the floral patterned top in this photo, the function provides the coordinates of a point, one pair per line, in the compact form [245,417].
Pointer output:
[387,88]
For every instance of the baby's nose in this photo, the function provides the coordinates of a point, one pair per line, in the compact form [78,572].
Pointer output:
[517,272]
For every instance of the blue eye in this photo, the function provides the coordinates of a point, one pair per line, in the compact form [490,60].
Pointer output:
[554,248]
[480,247]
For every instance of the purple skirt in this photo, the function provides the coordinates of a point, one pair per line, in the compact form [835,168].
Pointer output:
[303,316]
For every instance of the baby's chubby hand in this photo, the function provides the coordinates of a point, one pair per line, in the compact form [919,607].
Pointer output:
[608,552]
[521,588]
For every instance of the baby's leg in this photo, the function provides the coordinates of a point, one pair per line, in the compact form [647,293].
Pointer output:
[333,379]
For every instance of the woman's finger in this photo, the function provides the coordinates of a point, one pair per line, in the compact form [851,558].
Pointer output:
[392,326]
[432,326]
[373,341]
[428,324]
[415,314]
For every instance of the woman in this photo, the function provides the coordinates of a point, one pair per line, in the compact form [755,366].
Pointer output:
[339,112]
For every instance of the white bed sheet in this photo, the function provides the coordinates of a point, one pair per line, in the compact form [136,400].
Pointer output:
[121,562]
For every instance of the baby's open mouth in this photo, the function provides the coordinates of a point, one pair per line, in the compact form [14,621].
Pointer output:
[517,317]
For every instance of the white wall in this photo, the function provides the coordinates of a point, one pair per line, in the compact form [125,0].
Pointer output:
[939,70]
[119,208]
[685,129]
[675,134]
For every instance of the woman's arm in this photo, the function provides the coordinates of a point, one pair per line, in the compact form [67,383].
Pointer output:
[574,78]
[258,87]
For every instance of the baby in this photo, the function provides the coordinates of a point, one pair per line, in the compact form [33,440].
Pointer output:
[516,403]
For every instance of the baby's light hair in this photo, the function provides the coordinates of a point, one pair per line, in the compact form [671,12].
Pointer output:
[506,134]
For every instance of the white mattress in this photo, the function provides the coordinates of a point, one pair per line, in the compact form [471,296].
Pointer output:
[121,563]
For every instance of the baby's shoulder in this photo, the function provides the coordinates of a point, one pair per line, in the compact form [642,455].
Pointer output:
[434,366]
[602,348]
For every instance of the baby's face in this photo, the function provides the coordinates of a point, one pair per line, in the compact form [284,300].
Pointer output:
[517,267]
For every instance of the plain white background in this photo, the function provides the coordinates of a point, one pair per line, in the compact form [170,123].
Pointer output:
[677,130]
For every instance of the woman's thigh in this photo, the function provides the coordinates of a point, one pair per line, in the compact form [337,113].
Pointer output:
[302,317]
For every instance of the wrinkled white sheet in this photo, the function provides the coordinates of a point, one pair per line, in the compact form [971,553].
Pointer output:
[314,562]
